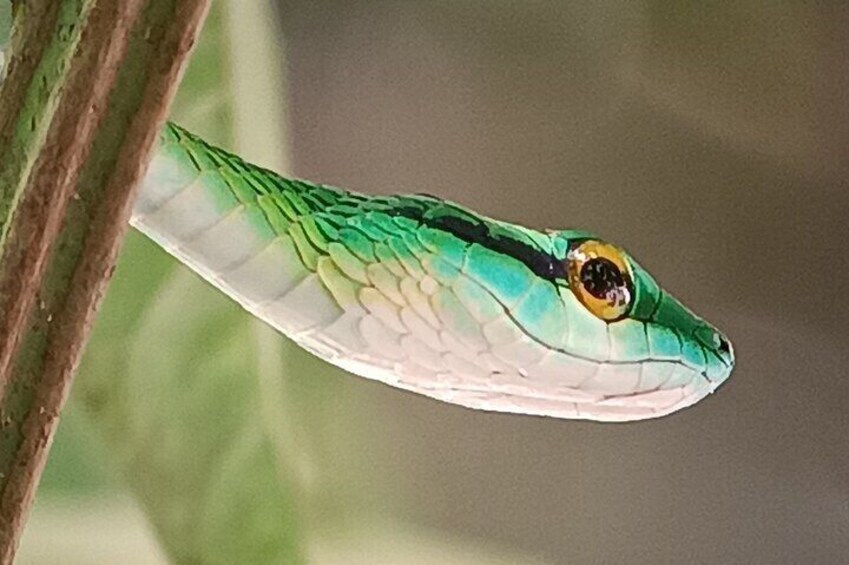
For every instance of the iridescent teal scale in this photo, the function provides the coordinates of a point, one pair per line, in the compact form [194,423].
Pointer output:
[423,294]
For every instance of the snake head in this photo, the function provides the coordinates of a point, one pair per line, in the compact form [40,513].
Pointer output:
[648,355]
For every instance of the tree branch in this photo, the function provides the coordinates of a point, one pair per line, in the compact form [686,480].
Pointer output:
[65,234]
[45,41]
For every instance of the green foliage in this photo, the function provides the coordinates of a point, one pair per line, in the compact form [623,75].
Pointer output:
[5,21]
[179,408]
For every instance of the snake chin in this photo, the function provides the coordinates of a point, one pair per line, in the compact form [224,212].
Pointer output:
[521,395]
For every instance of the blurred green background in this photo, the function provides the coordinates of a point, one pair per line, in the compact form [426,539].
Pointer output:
[709,140]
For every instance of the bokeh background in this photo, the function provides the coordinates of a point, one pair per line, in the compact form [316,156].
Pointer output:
[710,140]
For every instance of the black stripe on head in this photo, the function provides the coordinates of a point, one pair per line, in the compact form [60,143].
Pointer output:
[472,229]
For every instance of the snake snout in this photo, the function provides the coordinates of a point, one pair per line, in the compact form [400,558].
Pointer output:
[720,349]
[725,350]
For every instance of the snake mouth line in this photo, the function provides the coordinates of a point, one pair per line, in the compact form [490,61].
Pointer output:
[580,357]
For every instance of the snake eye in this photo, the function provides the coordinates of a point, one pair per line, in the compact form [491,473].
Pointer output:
[600,277]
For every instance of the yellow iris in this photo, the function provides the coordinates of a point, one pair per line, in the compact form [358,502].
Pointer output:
[600,277]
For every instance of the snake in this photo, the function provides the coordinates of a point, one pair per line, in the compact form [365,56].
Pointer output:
[428,296]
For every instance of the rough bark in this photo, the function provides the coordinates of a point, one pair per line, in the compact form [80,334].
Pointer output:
[70,210]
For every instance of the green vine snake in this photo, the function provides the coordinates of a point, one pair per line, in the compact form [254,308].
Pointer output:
[428,296]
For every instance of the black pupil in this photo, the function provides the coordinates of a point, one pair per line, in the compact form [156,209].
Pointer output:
[602,278]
